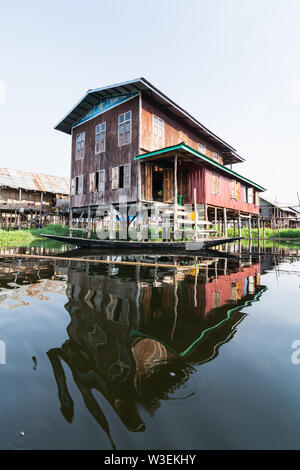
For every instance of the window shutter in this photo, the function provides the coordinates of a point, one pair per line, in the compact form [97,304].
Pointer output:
[127,175]
[215,183]
[238,191]
[216,299]
[183,137]
[115,175]
[80,185]
[72,189]
[233,186]
[102,180]
[148,181]
[250,195]
[82,145]
[92,182]
[257,198]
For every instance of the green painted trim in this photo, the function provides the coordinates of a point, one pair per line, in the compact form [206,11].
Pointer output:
[187,350]
[203,157]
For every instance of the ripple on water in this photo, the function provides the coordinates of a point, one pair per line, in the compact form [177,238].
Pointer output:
[192,382]
[31,434]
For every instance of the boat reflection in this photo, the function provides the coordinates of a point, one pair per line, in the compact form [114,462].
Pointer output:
[137,334]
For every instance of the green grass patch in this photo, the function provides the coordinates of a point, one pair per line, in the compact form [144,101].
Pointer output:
[269,233]
[26,237]
[15,238]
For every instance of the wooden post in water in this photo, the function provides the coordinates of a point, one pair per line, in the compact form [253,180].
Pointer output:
[175,199]
[239,224]
[19,215]
[89,222]
[196,212]
[225,221]
[216,218]
[71,222]
[250,227]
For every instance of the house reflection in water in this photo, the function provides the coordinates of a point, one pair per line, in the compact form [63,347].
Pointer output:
[137,342]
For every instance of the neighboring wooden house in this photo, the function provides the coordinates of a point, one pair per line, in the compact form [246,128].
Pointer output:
[278,216]
[132,140]
[31,198]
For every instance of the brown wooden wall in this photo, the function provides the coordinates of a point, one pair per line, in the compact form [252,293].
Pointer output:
[112,157]
[31,198]
[175,131]
[192,176]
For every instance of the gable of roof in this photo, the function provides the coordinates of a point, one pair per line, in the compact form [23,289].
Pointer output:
[92,98]
[34,181]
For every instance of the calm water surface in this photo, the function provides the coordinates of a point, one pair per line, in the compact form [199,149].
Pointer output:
[126,357]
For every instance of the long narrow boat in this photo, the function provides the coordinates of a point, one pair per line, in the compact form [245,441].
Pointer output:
[155,247]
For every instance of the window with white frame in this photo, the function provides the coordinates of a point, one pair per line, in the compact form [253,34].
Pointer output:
[124,134]
[100,137]
[202,148]
[158,132]
[121,176]
[80,144]
[216,157]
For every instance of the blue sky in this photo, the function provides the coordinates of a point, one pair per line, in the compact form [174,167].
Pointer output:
[233,64]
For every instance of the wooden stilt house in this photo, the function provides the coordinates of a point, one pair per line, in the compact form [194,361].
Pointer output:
[131,140]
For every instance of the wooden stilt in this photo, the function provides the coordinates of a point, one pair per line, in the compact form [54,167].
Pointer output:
[89,222]
[71,222]
[216,218]
[196,213]
[250,227]
[175,199]
[225,221]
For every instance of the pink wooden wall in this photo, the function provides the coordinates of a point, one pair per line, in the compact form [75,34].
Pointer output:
[223,285]
[202,180]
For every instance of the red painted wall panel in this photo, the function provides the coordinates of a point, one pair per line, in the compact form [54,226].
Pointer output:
[201,178]
[223,199]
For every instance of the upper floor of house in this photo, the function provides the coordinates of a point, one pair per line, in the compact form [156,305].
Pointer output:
[113,125]
[138,117]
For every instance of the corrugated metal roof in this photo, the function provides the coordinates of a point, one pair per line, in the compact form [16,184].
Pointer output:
[282,207]
[34,181]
